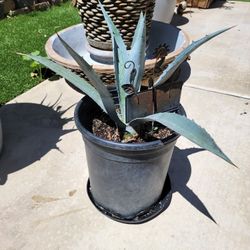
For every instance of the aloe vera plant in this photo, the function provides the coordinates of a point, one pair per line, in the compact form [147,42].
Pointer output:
[129,69]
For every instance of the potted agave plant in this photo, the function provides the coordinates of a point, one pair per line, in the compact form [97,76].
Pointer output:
[129,138]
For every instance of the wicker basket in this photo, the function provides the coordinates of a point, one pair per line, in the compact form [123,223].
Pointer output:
[124,13]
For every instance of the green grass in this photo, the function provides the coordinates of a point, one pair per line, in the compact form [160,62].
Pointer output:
[27,33]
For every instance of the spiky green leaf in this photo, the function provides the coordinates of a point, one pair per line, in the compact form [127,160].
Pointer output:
[71,77]
[96,82]
[120,77]
[113,30]
[187,128]
[137,53]
[168,72]
[120,58]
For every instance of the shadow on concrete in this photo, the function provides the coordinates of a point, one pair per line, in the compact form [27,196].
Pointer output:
[180,172]
[228,5]
[179,20]
[29,132]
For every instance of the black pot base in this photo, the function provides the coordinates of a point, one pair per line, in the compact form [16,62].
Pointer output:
[143,216]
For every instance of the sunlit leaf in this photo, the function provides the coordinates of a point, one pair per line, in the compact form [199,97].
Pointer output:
[95,80]
[137,53]
[72,78]
[169,71]
[187,128]
[122,74]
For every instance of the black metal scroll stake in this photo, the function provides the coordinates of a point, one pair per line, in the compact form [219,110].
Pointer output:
[133,72]
[129,88]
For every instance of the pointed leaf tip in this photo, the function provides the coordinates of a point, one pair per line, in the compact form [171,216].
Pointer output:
[137,53]
[169,71]
[187,128]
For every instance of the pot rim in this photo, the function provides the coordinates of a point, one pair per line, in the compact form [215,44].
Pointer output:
[107,69]
[118,145]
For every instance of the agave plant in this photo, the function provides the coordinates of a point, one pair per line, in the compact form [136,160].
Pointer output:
[129,69]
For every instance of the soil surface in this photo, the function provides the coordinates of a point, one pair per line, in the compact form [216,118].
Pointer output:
[105,128]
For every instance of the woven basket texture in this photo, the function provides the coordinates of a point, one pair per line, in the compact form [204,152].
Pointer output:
[124,13]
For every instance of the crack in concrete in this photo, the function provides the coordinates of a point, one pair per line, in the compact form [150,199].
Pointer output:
[228,93]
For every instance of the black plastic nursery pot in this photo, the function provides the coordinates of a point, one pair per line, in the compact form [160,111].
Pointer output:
[127,182]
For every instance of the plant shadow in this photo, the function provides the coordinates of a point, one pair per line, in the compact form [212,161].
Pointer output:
[228,5]
[180,172]
[179,20]
[29,132]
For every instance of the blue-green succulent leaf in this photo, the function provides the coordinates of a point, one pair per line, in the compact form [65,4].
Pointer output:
[120,58]
[95,80]
[187,128]
[119,62]
[168,72]
[72,78]
[137,53]
[113,30]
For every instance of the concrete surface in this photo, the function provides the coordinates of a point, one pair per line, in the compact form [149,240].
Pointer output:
[43,172]
[223,64]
